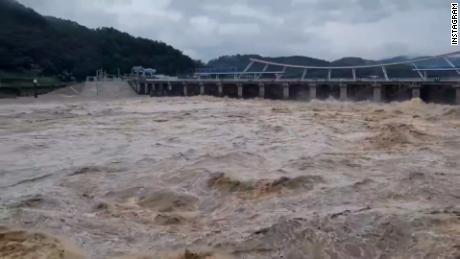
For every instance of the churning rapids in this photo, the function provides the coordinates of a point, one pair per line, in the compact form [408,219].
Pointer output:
[204,177]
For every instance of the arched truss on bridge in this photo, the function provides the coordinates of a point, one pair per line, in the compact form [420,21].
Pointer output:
[281,68]
[383,66]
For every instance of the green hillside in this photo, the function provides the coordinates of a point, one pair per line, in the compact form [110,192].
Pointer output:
[47,46]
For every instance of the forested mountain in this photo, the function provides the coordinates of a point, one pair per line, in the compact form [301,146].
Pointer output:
[51,46]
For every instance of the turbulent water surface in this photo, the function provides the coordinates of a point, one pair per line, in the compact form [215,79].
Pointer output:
[205,177]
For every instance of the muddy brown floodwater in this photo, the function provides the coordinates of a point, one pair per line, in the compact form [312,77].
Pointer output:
[205,177]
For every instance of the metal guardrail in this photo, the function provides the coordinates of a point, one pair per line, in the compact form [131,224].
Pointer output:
[318,80]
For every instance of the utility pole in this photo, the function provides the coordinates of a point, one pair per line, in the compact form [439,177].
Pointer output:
[35,88]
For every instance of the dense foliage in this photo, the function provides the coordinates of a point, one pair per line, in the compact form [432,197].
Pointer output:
[51,46]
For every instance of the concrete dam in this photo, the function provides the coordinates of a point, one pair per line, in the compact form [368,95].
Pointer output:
[275,84]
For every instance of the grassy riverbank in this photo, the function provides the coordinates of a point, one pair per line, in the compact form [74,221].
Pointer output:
[14,85]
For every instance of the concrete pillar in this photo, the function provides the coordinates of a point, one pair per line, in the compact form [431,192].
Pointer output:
[343,92]
[202,92]
[240,90]
[185,89]
[286,91]
[313,88]
[377,93]
[169,86]
[152,90]
[457,94]
[142,88]
[155,89]
[261,90]
[415,91]
[149,89]
[220,89]
[162,92]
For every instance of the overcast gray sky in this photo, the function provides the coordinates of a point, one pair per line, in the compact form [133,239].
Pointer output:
[328,29]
